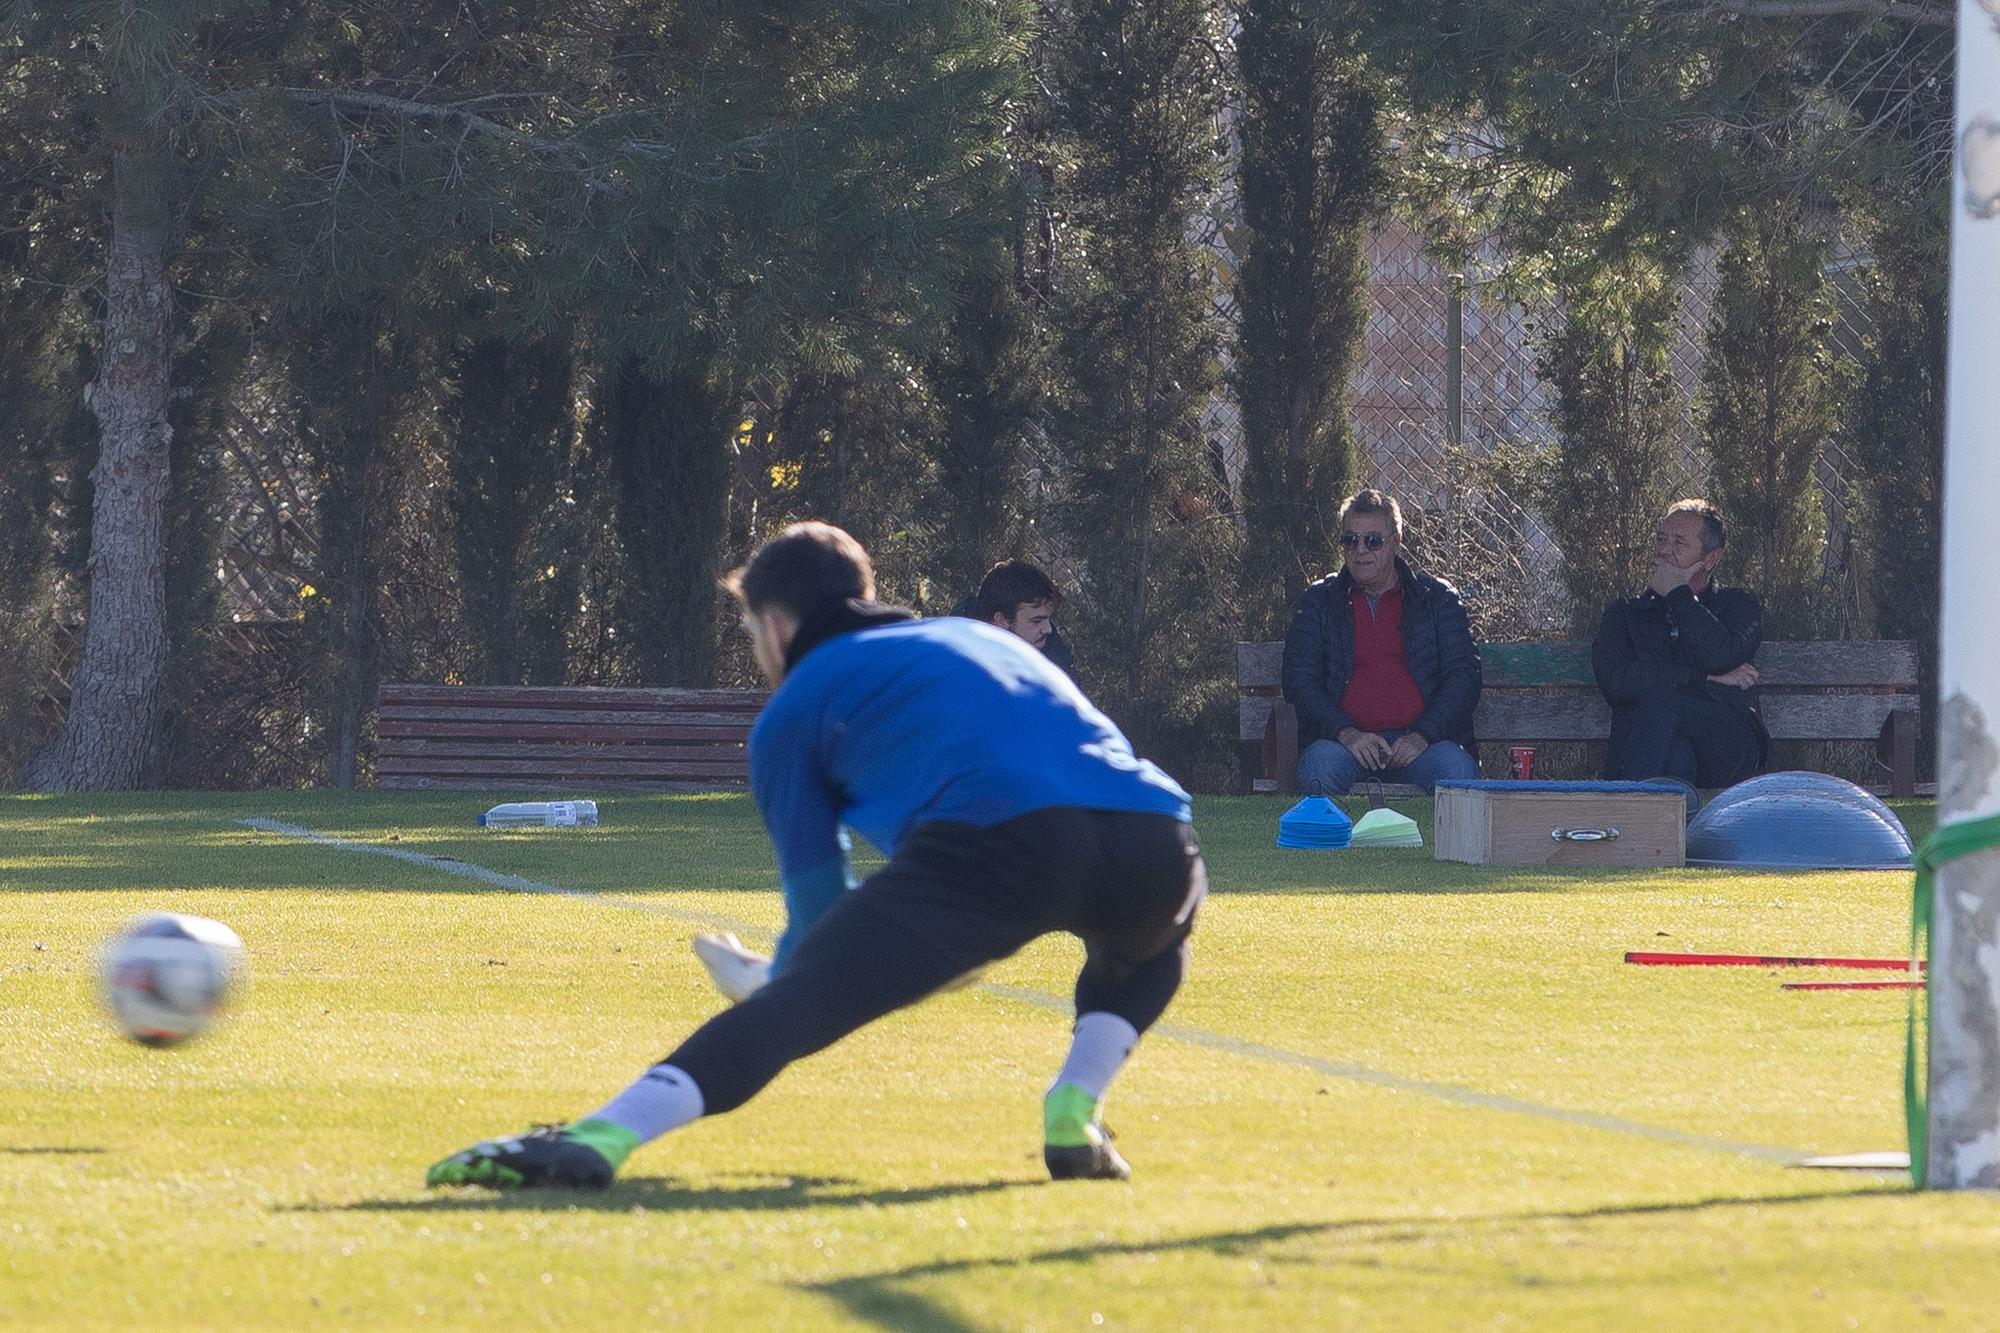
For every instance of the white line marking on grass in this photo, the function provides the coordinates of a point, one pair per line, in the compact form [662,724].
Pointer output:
[451,865]
[1215,1041]
[1444,1092]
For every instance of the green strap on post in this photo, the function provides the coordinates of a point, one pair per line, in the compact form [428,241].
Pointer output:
[1947,843]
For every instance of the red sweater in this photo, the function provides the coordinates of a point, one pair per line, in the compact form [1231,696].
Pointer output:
[1381,694]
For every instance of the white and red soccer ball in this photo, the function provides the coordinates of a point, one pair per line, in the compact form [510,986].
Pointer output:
[168,975]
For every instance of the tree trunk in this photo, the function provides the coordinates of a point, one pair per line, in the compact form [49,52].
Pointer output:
[111,737]
[354,635]
[511,447]
[669,442]
[344,368]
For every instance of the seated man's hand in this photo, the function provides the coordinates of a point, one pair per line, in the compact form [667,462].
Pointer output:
[1742,677]
[1366,746]
[1667,576]
[1407,747]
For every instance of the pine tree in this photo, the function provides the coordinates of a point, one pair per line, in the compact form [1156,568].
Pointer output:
[764,182]
[112,735]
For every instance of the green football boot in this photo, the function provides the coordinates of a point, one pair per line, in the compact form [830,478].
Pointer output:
[583,1156]
[1075,1143]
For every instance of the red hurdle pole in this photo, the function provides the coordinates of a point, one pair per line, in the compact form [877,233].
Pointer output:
[1763,960]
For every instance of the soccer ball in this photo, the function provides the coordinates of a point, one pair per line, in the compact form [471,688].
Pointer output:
[167,976]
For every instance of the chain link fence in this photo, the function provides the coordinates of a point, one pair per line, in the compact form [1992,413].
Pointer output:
[1448,374]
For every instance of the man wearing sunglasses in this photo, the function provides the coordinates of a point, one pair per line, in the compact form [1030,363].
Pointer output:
[1380,664]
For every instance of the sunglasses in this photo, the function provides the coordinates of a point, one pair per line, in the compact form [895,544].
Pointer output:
[1374,541]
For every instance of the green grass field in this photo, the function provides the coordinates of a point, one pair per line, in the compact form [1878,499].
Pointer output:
[1394,1094]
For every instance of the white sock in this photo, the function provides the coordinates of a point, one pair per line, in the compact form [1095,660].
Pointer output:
[1097,1052]
[663,1099]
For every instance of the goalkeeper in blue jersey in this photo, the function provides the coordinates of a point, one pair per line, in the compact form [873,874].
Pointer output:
[1008,808]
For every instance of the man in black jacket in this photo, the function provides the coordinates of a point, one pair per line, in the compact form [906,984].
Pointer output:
[1675,664]
[1380,664]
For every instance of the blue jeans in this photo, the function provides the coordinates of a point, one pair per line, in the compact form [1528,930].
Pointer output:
[1681,733]
[1328,768]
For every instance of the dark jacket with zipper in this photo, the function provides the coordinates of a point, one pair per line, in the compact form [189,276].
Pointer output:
[1437,649]
[1676,642]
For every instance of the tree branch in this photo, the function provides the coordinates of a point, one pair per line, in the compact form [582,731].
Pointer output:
[354,100]
[1920,14]
[569,148]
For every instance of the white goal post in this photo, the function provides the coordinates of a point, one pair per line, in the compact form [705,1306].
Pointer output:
[1964,996]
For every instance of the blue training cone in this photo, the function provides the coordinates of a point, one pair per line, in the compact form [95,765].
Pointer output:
[1315,824]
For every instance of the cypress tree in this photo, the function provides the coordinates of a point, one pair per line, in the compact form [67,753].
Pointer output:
[1310,172]
[1618,414]
[988,382]
[1771,385]
[195,750]
[856,450]
[1139,89]
[1896,429]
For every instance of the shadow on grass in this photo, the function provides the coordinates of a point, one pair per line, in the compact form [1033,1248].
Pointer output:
[52,1152]
[201,855]
[1237,835]
[875,1298]
[1414,872]
[667,1195]
[677,843]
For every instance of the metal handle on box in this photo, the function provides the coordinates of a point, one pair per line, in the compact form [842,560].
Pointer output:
[1583,834]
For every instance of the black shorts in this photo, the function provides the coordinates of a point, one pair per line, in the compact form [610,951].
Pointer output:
[956,897]
[1127,883]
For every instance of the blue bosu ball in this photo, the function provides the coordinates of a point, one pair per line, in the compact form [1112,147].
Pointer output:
[1798,821]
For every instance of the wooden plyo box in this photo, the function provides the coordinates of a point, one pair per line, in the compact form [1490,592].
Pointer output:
[1561,823]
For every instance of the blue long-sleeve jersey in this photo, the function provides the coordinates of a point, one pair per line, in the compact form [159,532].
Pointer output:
[886,728]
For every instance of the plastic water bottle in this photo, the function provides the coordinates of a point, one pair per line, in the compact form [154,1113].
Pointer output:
[541,814]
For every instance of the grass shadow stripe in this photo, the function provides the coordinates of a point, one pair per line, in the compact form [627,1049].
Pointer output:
[1449,1093]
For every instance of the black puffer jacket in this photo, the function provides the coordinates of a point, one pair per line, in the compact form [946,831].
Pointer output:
[1676,641]
[1437,648]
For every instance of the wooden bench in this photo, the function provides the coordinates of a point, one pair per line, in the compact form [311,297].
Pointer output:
[580,738]
[1831,690]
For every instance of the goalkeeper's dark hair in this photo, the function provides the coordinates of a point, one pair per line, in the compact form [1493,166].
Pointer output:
[803,568]
[1011,585]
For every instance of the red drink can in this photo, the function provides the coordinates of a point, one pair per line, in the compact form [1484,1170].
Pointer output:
[1521,763]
